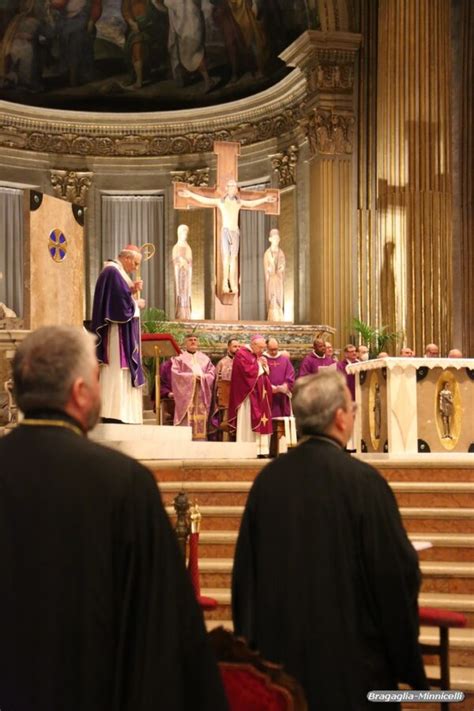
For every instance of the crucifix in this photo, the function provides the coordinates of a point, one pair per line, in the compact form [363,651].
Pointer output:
[227,200]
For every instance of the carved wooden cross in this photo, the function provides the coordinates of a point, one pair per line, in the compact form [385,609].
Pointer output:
[226,305]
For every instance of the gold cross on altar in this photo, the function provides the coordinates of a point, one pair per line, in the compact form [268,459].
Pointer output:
[227,200]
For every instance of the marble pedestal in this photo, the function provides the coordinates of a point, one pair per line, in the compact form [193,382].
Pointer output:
[402,406]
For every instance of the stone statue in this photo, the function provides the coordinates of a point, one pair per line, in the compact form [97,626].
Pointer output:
[183,272]
[274,267]
[229,206]
[446,409]
[5,312]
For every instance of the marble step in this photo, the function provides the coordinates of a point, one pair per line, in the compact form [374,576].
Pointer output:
[446,546]
[415,494]
[445,601]
[220,470]
[423,470]
[416,519]
[447,577]
[462,679]
[439,519]
[191,470]
[438,576]
[461,645]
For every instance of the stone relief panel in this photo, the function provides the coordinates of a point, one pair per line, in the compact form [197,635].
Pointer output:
[329,133]
[199,177]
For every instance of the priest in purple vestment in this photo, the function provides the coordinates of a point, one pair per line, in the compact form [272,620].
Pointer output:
[316,359]
[116,321]
[350,356]
[250,405]
[192,382]
[282,378]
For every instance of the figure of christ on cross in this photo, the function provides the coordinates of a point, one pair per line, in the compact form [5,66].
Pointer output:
[228,201]
[229,207]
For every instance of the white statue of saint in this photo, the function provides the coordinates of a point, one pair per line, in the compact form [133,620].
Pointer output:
[229,206]
[274,263]
[183,272]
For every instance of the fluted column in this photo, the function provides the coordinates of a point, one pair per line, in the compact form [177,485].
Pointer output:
[413,254]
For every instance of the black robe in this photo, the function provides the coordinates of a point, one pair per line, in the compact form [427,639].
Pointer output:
[96,609]
[325,580]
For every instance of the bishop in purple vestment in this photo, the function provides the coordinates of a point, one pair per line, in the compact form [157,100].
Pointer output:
[250,405]
[282,378]
[316,359]
[116,321]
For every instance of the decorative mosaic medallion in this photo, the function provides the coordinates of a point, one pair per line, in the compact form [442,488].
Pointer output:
[57,245]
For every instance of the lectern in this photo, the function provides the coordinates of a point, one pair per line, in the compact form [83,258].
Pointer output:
[158,345]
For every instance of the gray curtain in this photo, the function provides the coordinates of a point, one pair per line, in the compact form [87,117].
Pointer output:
[11,248]
[254,229]
[137,219]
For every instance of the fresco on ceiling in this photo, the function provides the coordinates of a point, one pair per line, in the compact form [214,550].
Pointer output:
[144,55]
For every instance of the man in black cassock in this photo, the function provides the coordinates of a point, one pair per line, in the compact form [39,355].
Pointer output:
[96,609]
[325,579]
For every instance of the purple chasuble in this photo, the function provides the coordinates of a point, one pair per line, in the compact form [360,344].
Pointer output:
[246,382]
[311,364]
[114,304]
[184,382]
[350,377]
[165,378]
[281,371]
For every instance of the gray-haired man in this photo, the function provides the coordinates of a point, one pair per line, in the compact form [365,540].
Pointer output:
[96,610]
[325,580]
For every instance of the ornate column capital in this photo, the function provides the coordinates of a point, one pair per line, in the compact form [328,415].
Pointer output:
[71,185]
[284,164]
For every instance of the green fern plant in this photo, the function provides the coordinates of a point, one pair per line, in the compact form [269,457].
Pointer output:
[376,339]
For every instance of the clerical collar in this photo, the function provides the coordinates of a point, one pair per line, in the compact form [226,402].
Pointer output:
[51,418]
[324,438]
[267,355]
[318,356]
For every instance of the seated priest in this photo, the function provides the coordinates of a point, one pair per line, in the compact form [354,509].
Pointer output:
[325,578]
[282,378]
[316,359]
[192,382]
[250,404]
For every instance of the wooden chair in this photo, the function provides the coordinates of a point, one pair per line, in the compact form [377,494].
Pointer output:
[443,620]
[252,684]
[222,398]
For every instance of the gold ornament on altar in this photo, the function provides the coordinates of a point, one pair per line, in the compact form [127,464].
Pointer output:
[448,410]
[195,518]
